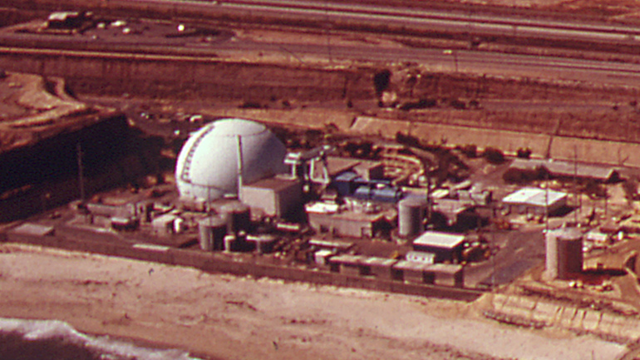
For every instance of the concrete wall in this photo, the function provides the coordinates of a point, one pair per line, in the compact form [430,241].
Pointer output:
[219,263]
[192,77]
[542,145]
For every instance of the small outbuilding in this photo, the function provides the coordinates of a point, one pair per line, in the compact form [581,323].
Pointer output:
[446,247]
[446,274]
[412,272]
[348,264]
[379,267]
[535,201]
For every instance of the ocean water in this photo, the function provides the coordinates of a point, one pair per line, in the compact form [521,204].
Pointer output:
[57,340]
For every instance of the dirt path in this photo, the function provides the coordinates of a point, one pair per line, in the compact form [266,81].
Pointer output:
[219,316]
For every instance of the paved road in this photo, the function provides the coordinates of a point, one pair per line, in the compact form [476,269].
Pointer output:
[457,22]
[466,61]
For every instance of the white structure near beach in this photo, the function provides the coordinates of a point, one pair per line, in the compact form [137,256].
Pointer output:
[535,201]
[225,153]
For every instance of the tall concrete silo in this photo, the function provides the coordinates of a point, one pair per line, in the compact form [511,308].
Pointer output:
[564,256]
[411,212]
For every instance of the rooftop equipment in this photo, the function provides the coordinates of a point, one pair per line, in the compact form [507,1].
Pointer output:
[304,165]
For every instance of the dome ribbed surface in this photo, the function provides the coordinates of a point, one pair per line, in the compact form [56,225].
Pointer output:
[207,166]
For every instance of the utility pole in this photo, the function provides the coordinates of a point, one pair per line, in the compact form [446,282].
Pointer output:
[328,27]
[576,200]
[80,172]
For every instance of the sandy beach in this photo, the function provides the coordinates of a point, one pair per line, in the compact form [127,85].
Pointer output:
[217,316]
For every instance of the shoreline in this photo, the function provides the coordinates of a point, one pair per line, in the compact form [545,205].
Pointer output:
[226,317]
[31,338]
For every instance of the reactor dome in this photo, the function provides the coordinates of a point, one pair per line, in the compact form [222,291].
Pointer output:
[207,166]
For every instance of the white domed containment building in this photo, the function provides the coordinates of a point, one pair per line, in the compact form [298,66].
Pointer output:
[225,153]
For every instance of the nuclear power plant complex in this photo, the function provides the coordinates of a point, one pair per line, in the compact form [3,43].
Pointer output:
[393,219]
[386,176]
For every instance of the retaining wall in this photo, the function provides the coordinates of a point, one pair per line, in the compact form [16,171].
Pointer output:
[188,77]
[222,263]
[525,310]
[542,145]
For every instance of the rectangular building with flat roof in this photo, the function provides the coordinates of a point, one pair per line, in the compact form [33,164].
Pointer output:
[347,223]
[277,197]
[445,246]
[535,201]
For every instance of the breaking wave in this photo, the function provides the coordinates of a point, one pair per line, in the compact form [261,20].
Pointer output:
[52,339]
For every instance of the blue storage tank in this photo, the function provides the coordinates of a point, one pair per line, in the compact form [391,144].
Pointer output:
[363,193]
[387,194]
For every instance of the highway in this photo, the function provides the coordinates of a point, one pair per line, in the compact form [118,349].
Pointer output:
[329,49]
[464,61]
[422,20]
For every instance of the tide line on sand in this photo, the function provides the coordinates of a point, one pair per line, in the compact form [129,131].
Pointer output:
[41,330]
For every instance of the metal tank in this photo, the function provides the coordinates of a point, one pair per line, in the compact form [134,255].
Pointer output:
[410,216]
[238,217]
[212,231]
[263,243]
[564,255]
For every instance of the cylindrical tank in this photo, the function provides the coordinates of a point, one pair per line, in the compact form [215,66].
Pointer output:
[238,217]
[263,243]
[212,232]
[410,216]
[563,253]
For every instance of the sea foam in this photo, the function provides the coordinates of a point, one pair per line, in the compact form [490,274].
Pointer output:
[36,330]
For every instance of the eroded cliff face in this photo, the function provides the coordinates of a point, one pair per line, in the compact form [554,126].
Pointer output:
[48,137]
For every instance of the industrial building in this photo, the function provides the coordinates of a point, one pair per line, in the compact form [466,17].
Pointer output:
[445,247]
[566,169]
[454,213]
[535,201]
[279,197]
[398,270]
[341,221]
